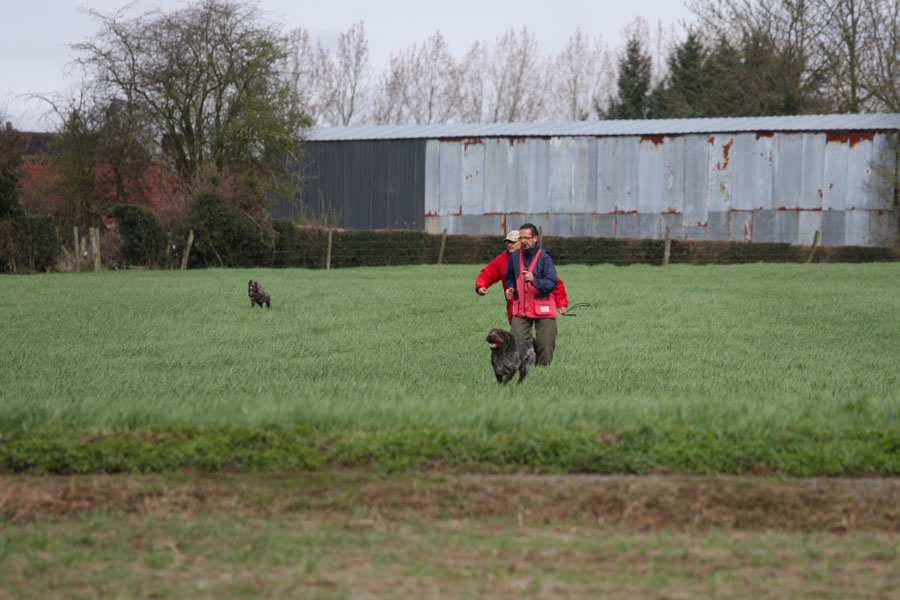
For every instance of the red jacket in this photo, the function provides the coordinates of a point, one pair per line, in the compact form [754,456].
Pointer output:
[493,273]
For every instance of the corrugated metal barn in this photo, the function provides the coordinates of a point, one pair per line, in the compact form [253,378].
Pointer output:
[764,179]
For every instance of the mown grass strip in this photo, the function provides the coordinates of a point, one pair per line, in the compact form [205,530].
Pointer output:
[681,451]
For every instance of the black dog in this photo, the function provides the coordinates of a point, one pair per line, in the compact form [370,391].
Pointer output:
[510,354]
[258,295]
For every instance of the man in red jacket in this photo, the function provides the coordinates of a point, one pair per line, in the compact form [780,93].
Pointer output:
[495,269]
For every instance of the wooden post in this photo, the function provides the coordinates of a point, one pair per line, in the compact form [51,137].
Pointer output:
[95,247]
[328,257]
[812,250]
[187,250]
[443,243]
[77,251]
[668,249]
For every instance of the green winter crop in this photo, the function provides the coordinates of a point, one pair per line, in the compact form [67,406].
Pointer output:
[668,355]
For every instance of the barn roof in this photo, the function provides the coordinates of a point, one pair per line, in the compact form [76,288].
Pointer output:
[806,123]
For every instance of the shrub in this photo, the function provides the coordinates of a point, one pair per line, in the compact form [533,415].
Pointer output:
[854,254]
[7,247]
[9,203]
[32,244]
[295,246]
[143,236]
[223,237]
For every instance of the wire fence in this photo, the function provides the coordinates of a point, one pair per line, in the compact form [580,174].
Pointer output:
[322,248]
[329,248]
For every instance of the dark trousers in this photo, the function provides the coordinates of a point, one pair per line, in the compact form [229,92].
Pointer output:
[544,336]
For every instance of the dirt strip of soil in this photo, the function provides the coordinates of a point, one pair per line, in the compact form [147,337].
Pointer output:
[645,503]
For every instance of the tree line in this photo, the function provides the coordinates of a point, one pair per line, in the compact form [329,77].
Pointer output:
[222,99]
[739,58]
[769,57]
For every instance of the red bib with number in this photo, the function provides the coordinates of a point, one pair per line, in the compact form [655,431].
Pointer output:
[527,304]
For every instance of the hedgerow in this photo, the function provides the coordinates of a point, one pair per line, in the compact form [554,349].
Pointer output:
[642,451]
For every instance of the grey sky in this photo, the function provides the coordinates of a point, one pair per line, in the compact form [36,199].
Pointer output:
[35,34]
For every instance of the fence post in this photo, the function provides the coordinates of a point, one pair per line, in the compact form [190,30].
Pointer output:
[95,247]
[328,256]
[812,250]
[668,249]
[443,243]
[77,252]
[187,250]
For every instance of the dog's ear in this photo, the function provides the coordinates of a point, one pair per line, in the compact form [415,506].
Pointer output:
[496,337]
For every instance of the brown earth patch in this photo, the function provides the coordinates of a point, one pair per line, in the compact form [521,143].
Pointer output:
[643,503]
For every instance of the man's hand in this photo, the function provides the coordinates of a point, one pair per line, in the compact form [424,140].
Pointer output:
[510,292]
[562,310]
[481,291]
[528,275]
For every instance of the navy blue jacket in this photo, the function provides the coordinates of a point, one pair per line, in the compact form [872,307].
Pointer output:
[544,271]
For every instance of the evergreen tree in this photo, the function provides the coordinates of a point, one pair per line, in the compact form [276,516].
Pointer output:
[12,144]
[754,77]
[726,96]
[685,91]
[633,83]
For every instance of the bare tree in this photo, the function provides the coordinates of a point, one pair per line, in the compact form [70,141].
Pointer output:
[473,84]
[387,101]
[304,75]
[883,17]
[846,50]
[795,25]
[421,86]
[516,78]
[346,77]
[583,73]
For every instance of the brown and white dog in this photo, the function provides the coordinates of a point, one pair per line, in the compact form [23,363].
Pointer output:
[258,295]
[510,354]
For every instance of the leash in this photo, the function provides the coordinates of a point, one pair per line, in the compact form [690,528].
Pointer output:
[569,310]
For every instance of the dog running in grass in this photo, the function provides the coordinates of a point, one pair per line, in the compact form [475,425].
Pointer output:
[510,354]
[258,295]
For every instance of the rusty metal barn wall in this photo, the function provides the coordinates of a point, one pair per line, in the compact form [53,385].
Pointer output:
[370,184]
[747,186]
[754,186]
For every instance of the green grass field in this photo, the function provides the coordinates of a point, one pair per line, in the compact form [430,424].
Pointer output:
[677,362]
[752,369]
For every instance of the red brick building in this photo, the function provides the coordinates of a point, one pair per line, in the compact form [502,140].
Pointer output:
[42,189]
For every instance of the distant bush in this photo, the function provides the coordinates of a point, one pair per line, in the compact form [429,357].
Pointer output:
[223,237]
[143,238]
[854,254]
[9,203]
[295,246]
[31,244]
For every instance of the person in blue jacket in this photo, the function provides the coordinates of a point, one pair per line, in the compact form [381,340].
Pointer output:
[530,279]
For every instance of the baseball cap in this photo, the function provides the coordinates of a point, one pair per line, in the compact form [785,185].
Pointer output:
[512,236]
